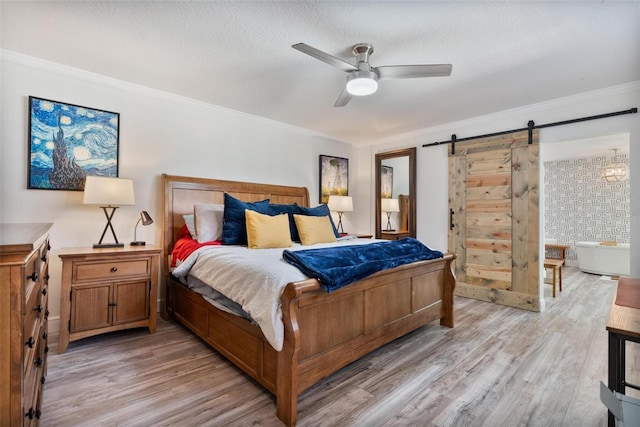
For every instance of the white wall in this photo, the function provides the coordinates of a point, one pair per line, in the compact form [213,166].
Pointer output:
[162,133]
[159,133]
[432,162]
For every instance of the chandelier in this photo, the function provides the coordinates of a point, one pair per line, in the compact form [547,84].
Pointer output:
[615,171]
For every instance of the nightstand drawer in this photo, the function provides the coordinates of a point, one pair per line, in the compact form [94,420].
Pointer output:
[109,270]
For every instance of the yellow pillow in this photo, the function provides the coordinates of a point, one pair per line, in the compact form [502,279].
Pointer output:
[265,231]
[314,229]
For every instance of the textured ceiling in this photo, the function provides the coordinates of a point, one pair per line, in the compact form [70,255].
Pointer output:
[238,55]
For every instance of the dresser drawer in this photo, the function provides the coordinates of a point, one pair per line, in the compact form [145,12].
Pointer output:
[34,312]
[109,270]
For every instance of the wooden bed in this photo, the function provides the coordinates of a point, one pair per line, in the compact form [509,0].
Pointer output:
[323,331]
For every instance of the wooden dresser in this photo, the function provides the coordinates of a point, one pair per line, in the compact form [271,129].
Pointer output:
[107,289]
[24,275]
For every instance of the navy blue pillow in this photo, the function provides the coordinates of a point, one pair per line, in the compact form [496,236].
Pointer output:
[290,210]
[234,227]
[322,210]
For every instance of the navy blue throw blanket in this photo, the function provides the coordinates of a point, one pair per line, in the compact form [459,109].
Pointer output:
[338,266]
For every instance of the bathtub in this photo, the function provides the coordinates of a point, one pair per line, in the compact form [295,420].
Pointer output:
[600,259]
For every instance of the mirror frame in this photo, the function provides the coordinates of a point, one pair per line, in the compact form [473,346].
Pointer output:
[411,153]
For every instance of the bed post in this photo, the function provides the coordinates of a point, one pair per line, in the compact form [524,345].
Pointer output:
[447,299]
[287,375]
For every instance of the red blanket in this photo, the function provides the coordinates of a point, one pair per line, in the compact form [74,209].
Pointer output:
[185,245]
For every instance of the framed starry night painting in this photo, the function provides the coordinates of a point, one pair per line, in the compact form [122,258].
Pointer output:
[67,142]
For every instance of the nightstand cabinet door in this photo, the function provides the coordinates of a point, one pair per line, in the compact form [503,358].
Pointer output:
[90,307]
[131,301]
[108,289]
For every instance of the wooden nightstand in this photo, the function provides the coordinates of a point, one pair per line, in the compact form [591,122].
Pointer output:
[393,235]
[107,289]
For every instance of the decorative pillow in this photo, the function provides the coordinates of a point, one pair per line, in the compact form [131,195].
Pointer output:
[266,231]
[322,210]
[290,210]
[234,228]
[315,229]
[190,223]
[208,221]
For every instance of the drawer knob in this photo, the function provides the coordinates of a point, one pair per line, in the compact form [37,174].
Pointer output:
[44,258]
[114,269]
[38,413]
[29,343]
[30,414]
[44,335]
[33,276]
[42,379]
[38,308]
[38,361]
[46,277]
[44,291]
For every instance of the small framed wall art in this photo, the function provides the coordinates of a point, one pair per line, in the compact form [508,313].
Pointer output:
[67,142]
[334,177]
[386,181]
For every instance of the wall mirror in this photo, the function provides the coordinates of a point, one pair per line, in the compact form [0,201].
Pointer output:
[396,194]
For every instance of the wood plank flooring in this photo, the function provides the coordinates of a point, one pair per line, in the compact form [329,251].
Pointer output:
[499,366]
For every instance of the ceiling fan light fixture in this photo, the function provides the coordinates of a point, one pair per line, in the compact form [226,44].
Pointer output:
[362,83]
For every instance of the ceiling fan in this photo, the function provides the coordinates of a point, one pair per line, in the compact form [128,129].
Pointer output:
[363,79]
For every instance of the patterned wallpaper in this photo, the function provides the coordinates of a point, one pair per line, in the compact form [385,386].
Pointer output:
[581,206]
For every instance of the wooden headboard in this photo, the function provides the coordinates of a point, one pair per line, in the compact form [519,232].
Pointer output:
[181,193]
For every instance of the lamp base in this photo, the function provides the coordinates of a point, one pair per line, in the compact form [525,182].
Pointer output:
[138,243]
[108,245]
[389,229]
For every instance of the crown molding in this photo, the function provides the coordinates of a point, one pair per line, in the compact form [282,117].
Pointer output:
[88,76]
[525,110]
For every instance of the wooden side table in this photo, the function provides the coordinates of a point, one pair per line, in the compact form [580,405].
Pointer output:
[623,325]
[552,249]
[393,235]
[107,289]
[555,264]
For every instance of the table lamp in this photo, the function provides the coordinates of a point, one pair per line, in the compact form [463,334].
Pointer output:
[145,218]
[340,204]
[110,193]
[388,206]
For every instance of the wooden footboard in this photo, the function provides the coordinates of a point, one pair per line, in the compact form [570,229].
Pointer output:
[325,332]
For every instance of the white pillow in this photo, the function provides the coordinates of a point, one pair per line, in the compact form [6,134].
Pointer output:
[190,221]
[208,221]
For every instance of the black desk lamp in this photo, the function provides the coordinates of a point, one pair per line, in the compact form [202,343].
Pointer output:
[146,220]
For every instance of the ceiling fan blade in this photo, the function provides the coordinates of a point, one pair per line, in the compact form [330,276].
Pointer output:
[413,71]
[324,57]
[343,99]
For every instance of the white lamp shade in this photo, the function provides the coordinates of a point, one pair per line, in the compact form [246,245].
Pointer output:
[108,191]
[340,203]
[390,205]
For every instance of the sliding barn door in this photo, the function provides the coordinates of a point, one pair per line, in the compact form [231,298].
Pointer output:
[493,205]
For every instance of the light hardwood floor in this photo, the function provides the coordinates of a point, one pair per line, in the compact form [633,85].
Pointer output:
[498,367]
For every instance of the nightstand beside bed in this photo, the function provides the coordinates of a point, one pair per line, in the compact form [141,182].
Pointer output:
[107,289]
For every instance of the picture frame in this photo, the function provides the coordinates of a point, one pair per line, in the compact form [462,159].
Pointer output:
[67,142]
[386,182]
[334,177]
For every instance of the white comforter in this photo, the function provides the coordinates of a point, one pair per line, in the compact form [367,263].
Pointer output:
[254,278]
